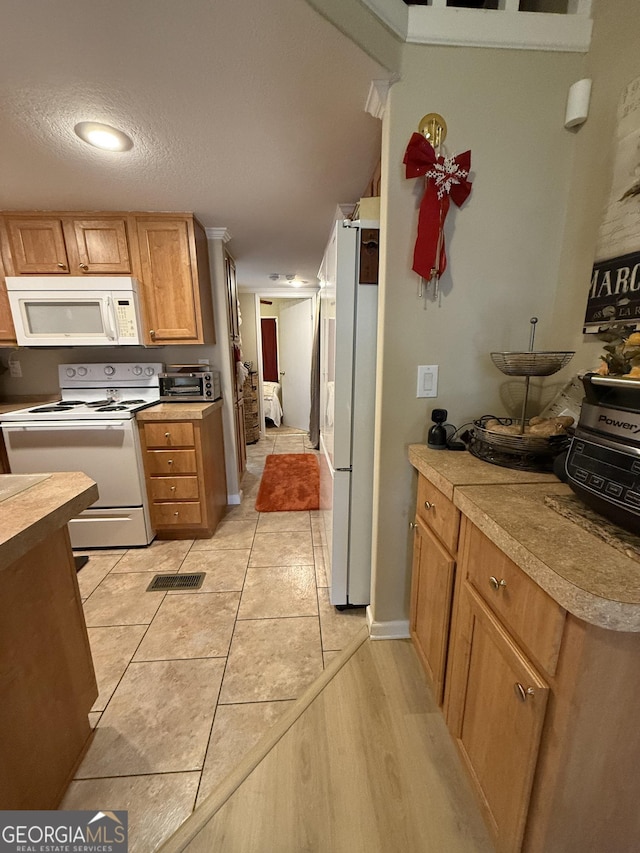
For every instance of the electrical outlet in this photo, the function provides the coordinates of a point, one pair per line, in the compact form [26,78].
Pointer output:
[15,369]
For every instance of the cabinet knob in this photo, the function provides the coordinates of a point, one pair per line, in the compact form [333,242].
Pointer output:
[152,333]
[173,488]
[84,267]
[522,692]
[497,584]
[176,513]
[169,461]
[412,525]
[429,505]
[62,266]
[167,434]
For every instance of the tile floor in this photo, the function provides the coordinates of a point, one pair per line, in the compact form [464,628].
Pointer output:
[189,681]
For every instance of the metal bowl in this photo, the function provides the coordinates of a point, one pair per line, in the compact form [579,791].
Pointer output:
[524,443]
[531,363]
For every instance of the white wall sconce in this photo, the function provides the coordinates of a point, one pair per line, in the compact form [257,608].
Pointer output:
[578,103]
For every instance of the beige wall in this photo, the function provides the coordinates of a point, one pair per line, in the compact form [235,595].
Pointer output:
[504,248]
[613,61]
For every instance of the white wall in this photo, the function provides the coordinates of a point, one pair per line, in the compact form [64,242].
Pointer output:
[504,250]
[248,328]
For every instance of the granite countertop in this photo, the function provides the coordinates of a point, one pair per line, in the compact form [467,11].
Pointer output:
[178,411]
[584,574]
[448,469]
[31,515]
[27,403]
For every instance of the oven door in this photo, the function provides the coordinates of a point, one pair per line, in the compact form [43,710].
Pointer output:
[108,451]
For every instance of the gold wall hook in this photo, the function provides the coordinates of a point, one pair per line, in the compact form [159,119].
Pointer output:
[434,128]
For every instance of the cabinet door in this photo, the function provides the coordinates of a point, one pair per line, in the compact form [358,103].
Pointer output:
[496,708]
[431,596]
[169,288]
[7,332]
[97,246]
[37,246]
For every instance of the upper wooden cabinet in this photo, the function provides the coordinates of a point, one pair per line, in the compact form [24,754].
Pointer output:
[166,252]
[68,245]
[174,267]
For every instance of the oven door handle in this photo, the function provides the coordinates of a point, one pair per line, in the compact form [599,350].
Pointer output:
[108,317]
[69,425]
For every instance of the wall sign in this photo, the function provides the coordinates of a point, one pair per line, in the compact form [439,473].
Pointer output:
[614,292]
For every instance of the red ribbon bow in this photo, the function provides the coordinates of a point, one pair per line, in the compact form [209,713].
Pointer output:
[445,177]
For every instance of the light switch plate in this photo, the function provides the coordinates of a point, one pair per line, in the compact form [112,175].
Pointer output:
[427,380]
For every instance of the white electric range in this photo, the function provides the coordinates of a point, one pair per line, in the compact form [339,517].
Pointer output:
[92,429]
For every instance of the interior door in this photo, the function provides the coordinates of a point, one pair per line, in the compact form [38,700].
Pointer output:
[295,340]
[269,329]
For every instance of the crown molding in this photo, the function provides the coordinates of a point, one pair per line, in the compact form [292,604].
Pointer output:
[218,234]
[378,93]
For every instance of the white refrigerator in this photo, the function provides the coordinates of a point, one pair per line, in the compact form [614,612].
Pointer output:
[348,331]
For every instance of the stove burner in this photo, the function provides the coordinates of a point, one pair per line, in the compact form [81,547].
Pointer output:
[95,403]
[70,403]
[131,402]
[57,408]
[112,409]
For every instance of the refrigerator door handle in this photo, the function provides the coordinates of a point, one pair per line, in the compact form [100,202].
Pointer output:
[343,469]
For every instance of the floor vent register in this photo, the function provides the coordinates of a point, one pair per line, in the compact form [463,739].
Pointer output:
[184,581]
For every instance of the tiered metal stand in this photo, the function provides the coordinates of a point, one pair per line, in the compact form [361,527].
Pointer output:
[522,451]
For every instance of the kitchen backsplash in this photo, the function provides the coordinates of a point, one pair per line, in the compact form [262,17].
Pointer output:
[39,367]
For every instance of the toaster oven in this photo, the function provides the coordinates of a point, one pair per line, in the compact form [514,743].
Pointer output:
[189,386]
[603,462]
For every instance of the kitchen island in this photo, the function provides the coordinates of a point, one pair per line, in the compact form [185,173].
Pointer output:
[528,627]
[47,681]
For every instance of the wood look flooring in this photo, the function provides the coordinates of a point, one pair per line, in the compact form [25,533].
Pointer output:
[361,762]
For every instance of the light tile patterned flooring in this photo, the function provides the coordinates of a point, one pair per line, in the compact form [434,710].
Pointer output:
[189,681]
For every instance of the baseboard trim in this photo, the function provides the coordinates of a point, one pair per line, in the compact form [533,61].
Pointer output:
[395,630]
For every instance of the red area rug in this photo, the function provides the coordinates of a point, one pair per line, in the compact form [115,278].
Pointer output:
[290,483]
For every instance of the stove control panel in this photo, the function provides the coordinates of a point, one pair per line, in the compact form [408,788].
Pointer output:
[87,375]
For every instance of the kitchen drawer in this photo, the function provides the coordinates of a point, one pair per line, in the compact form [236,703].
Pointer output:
[438,513]
[172,434]
[177,514]
[172,462]
[526,611]
[173,488]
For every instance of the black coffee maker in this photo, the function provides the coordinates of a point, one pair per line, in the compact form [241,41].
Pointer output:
[437,437]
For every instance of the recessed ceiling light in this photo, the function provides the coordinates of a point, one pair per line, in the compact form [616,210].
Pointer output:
[103,136]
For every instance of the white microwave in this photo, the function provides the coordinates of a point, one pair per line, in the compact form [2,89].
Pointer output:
[49,311]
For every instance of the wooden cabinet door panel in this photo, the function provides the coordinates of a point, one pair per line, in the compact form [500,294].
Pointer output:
[170,297]
[431,597]
[7,331]
[497,704]
[37,246]
[97,246]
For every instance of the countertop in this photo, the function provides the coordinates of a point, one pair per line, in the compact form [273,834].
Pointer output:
[33,514]
[178,411]
[588,577]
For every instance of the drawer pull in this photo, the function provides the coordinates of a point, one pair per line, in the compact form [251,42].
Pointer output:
[412,525]
[429,505]
[169,461]
[167,435]
[173,488]
[522,692]
[176,513]
[497,584]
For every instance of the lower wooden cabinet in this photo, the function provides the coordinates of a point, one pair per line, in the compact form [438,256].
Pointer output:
[496,710]
[185,474]
[431,597]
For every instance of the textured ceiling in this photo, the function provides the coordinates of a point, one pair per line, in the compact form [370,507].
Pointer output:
[248,113]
